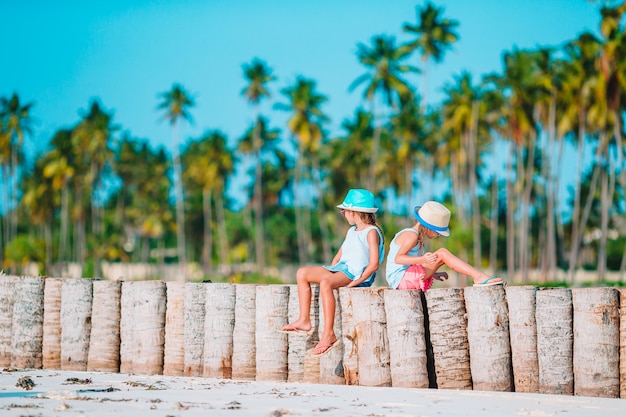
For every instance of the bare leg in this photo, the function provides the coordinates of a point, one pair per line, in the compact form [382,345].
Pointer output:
[304,277]
[327,285]
[445,257]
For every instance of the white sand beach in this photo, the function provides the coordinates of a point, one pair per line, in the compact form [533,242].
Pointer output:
[71,393]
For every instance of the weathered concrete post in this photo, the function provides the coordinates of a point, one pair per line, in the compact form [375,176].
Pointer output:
[372,342]
[447,325]
[407,338]
[488,336]
[596,342]
[219,322]
[555,341]
[271,346]
[523,329]
[244,343]
[76,303]
[51,349]
[104,341]
[27,328]
[174,349]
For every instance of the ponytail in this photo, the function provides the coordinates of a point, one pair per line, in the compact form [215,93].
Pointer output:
[370,218]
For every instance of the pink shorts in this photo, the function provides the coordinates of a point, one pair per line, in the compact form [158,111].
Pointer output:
[413,279]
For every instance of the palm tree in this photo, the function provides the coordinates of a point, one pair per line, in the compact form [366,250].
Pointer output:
[383,82]
[208,164]
[90,140]
[176,104]
[258,76]
[578,85]
[263,146]
[612,81]
[462,119]
[15,123]
[41,200]
[435,34]
[146,185]
[305,125]
[409,132]
[348,155]
[60,168]
[520,86]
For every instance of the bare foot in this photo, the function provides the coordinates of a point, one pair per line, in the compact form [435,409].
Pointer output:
[296,327]
[488,281]
[323,347]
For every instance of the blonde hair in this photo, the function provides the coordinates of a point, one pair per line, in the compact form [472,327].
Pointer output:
[370,218]
[421,232]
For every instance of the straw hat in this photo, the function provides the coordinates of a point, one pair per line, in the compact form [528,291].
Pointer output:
[359,200]
[434,216]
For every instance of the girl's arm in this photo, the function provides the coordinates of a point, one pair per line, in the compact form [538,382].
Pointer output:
[407,241]
[373,241]
[336,258]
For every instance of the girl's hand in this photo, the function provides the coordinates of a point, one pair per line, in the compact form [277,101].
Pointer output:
[440,276]
[431,258]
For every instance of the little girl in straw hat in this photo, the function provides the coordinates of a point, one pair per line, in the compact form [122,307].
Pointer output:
[408,267]
[354,265]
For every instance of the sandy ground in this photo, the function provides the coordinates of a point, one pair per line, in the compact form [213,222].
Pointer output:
[66,393]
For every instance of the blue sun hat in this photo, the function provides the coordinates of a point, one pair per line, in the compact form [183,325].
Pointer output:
[359,200]
[434,216]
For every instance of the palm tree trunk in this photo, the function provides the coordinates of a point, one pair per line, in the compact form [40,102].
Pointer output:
[7,296]
[51,345]
[271,346]
[149,327]
[223,235]
[493,238]
[576,231]
[331,367]
[195,302]
[174,347]
[298,344]
[447,326]
[219,322]
[207,248]
[407,339]
[244,344]
[510,219]
[371,335]
[582,222]
[371,180]
[258,202]
[180,210]
[596,342]
[127,307]
[321,212]
[525,222]
[27,326]
[606,199]
[476,223]
[348,338]
[76,304]
[63,241]
[555,341]
[104,340]
[488,337]
[523,332]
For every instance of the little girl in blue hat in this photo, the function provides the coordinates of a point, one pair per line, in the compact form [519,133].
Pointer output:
[408,267]
[354,265]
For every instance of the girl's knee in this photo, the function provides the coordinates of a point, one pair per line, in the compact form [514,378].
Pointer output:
[442,252]
[325,285]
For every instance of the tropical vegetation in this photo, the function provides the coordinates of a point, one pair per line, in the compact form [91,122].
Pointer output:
[97,194]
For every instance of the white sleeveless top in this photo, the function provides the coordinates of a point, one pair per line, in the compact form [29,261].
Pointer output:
[394,271]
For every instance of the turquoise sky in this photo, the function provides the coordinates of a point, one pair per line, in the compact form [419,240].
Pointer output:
[60,55]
